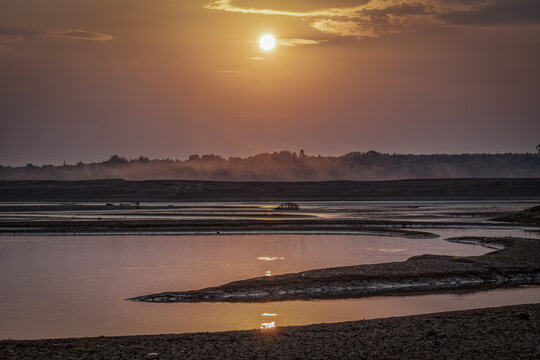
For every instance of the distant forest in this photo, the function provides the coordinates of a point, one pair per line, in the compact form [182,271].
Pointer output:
[289,166]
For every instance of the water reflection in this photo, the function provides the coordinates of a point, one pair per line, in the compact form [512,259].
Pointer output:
[268,273]
[267,324]
[385,250]
[270,258]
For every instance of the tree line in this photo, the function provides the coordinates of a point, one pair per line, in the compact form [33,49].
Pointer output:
[290,166]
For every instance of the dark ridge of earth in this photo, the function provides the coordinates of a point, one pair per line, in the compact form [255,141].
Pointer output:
[209,226]
[180,190]
[509,332]
[530,216]
[517,262]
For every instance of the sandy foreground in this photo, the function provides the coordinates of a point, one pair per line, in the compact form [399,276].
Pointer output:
[510,332]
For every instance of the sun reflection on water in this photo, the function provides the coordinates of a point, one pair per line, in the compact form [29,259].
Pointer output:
[270,258]
[268,273]
[266,324]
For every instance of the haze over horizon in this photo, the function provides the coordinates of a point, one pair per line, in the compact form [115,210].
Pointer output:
[166,79]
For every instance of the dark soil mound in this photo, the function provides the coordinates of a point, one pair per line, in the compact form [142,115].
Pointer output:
[527,216]
[288,206]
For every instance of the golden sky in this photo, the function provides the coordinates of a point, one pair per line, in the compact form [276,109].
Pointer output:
[81,80]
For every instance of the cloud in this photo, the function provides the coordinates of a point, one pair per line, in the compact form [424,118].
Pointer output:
[17,32]
[297,42]
[79,34]
[228,5]
[255,58]
[6,41]
[343,28]
[287,43]
[298,5]
[374,18]
[10,37]
[498,12]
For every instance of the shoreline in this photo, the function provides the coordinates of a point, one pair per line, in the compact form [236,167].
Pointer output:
[516,262]
[212,226]
[217,226]
[488,333]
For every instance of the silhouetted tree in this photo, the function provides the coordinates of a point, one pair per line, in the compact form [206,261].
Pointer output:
[538,148]
[115,159]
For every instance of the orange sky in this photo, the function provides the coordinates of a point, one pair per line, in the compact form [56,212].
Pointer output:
[81,80]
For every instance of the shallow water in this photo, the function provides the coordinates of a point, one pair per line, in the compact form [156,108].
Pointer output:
[412,211]
[65,286]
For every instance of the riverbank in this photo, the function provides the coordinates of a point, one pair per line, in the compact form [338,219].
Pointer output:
[509,332]
[516,262]
[210,226]
[114,190]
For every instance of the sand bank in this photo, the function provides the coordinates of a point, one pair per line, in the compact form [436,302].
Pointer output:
[510,332]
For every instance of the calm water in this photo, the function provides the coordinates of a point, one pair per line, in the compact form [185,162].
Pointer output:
[65,286]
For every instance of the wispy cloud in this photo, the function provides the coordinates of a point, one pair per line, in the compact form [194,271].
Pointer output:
[9,38]
[255,58]
[79,34]
[6,41]
[373,18]
[297,42]
[287,43]
[343,28]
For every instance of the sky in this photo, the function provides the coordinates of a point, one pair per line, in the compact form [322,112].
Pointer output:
[82,80]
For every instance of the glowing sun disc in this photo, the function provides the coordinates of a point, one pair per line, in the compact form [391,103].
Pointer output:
[267,42]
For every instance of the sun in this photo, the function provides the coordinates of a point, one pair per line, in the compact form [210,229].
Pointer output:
[267,42]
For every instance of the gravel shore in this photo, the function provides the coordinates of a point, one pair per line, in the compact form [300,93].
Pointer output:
[510,332]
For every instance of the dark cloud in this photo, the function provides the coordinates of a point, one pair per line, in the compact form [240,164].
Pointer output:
[401,9]
[498,12]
